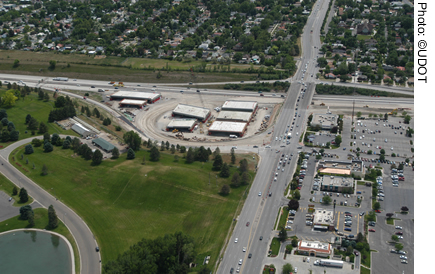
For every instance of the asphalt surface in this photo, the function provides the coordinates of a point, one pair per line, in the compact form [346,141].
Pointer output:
[89,259]
[8,209]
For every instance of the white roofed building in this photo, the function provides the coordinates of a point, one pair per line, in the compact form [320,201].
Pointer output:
[132,103]
[134,95]
[240,106]
[181,124]
[182,110]
[236,116]
[232,128]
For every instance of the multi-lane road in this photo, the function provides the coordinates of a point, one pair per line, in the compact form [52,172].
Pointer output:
[261,211]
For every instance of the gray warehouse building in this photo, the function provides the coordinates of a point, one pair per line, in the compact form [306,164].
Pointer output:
[236,116]
[181,124]
[245,106]
[186,111]
[232,128]
[84,132]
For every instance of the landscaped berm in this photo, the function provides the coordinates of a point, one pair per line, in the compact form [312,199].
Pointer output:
[124,201]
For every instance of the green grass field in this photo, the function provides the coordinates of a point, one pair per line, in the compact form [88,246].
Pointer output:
[363,37]
[38,109]
[274,246]
[283,218]
[365,270]
[41,221]
[110,68]
[123,201]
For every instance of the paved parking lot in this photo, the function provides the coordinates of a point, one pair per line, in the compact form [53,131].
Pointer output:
[396,197]
[7,210]
[399,142]
[322,137]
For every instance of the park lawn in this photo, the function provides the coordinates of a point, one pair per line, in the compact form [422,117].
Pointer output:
[274,246]
[41,222]
[7,187]
[37,109]
[123,201]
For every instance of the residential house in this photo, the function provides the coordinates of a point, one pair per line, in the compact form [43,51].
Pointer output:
[330,76]
[364,28]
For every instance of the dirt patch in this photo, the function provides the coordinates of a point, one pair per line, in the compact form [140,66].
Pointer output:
[100,57]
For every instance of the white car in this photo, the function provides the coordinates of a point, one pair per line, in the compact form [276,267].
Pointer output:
[240,261]
[403,257]
[244,249]
[400,237]
[399,227]
[236,240]
[259,193]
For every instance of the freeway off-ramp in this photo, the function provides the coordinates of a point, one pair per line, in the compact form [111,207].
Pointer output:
[86,243]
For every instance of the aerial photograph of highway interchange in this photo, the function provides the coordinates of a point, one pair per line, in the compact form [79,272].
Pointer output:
[206,136]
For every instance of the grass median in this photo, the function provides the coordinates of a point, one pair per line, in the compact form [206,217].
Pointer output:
[124,201]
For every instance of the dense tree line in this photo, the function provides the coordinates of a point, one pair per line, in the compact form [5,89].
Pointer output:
[169,254]
[278,85]
[64,109]
[342,90]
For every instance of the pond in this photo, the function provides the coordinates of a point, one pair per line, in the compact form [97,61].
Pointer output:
[31,251]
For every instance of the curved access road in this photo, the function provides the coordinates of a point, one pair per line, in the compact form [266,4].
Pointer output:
[86,243]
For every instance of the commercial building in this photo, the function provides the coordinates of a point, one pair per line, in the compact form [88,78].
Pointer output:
[134,95]
[336,183]
[323,220]
[314,248]
[84,132]
[132,103]
[232,128]
[325,121]
[202,114]
[103,144]
[348,167]
[181,124]
[235,116]
[240,106]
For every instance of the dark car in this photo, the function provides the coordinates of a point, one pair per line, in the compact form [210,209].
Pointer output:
[92,86]
[197,90]
[250,255]
[247,224]
[261,238]
[97,249]
[399,233]
[232,270]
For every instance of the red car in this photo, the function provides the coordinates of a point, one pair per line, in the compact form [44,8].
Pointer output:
[356,253]
[299,188]
[372,230]
[399,233]
[247,224]
[378,211]
[401,178]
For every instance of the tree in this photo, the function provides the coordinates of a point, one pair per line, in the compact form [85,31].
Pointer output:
[28,149]
[293,204]
[217,163]
[297,195]
[326,200]
[235,180]
[282,234]
[44,170]
[295,242]
[243,165]
[53,222]
[11,126]
[28,116]
[245,178]
[96,113]
[5,135]
[24,212]
[14,135]
[394,238]
[33,124]
[225,190]
[407,119]
[190,156]
[24,197]
[133,140]
[97,157]
[43,128]
[9,99]
[225,171]
[398,246]
[16,63]
[338,140]
[154,154]
[409,132]
[287,268]
[233,156]
[66,144]
[358,114]
[52,64]
[54,138]
[115,153]
[404,209]
[48,147]
[14,191]
[386,116]
[130,154]
[173,149]
[359,237]
[5,121]
[376,206]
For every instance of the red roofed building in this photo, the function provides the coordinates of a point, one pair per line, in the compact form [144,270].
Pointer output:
[314,248]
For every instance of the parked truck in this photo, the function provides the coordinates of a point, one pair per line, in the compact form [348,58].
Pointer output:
[289,135]
[331,263]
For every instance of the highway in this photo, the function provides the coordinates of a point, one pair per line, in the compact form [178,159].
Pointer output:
[86,243]
[261,211]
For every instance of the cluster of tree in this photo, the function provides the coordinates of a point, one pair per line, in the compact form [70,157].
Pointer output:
[266,87]
[33,125]
[26,213]
[169,254]
[64,109]
[8,99]
[8,131]
[342,90]
[43,95]
[239,178]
